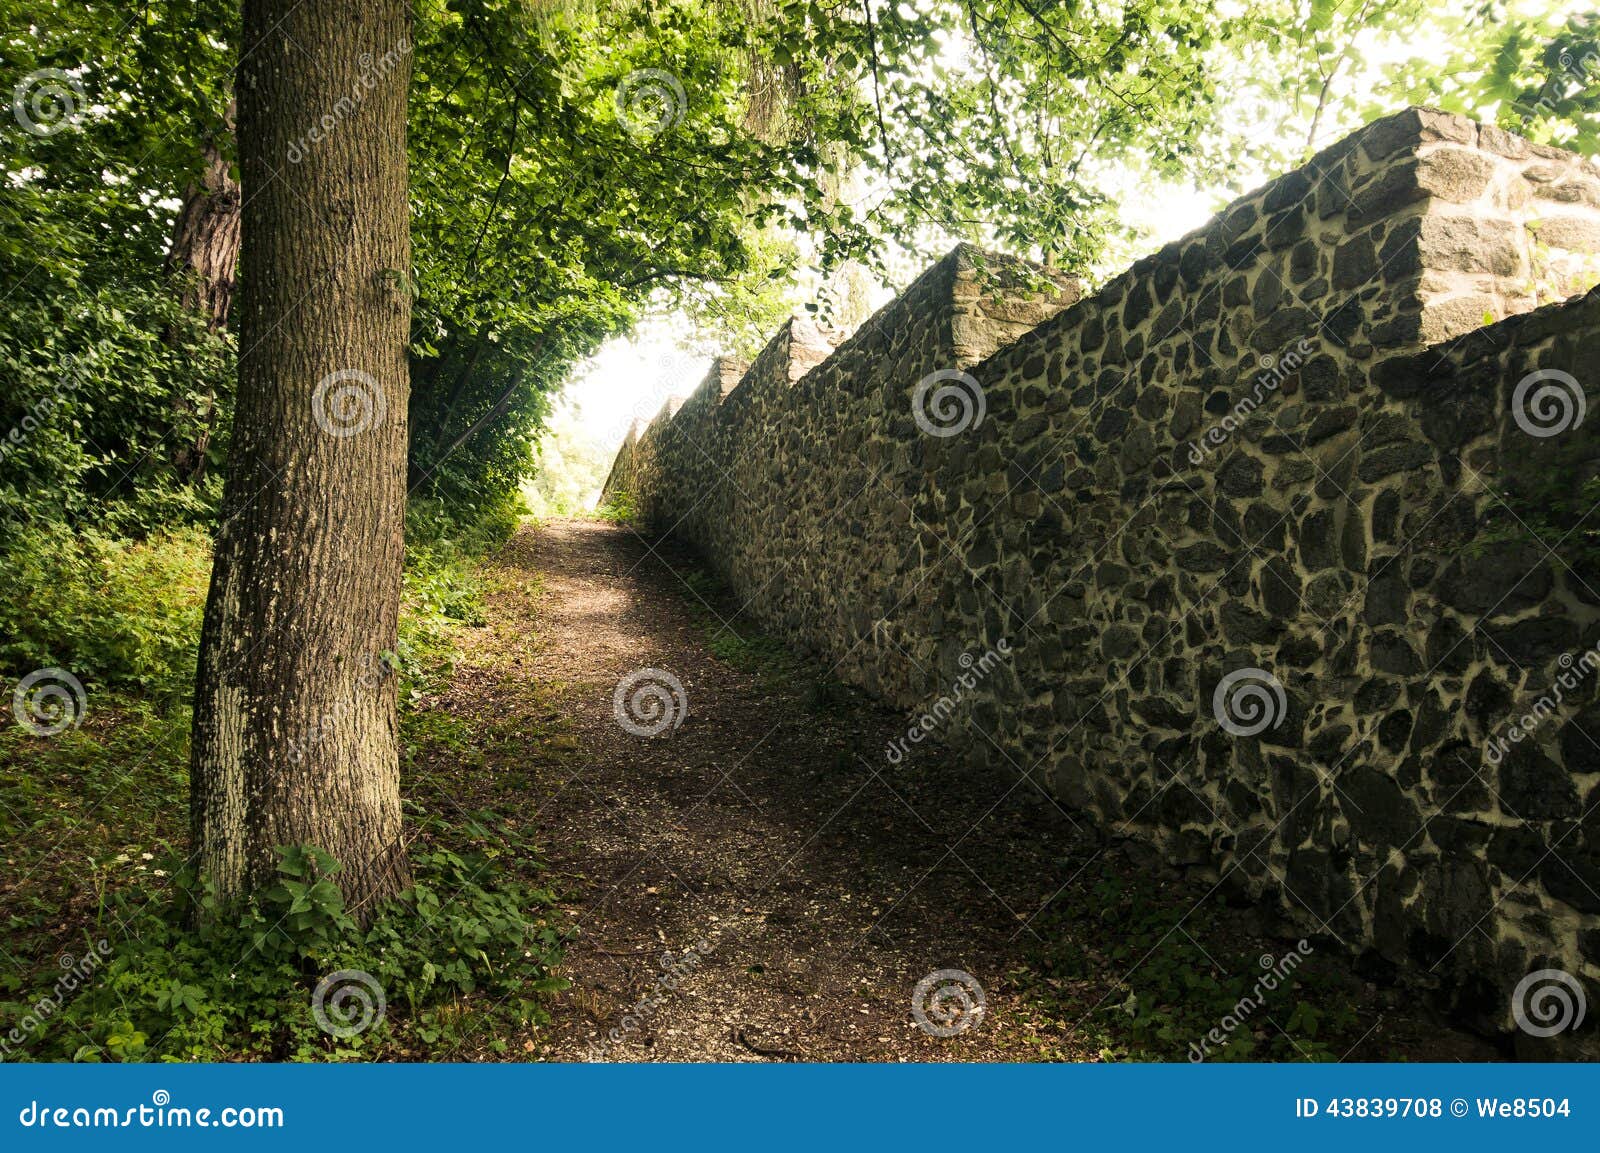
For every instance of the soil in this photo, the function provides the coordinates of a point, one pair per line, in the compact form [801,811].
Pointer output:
[758,882]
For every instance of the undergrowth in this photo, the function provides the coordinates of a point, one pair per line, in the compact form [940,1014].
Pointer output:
[1147,977]
[94,825]
[734,638]
[464,947]
[617,509]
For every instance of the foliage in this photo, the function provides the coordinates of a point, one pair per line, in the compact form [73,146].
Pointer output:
[1546,499]
[617,509]
[571,468]
[1162,990]
[463,945]
[119,614]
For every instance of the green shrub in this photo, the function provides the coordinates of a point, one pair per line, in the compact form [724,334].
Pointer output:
[464,946]
[618,508]
[117,613]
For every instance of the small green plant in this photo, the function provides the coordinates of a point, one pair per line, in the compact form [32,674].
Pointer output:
[464,948]
[1170,978]
[617,509]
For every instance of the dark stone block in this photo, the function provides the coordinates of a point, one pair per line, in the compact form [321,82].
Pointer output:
[1572,876]
[1316,540]
[1376,695]
[1284,328]
[1392,653]
[1448,648]
[1204,557]
[1393,458]
[1516,850]
[1355,262]
[1459,777]
[1504,577]
[1138,305]
[1487,699]
[1385,516]
[1580,741]
[1330,422]
[1395,730]
[1388,600]
[1533,787]
[1244,626]
[1379,812]
[1280,589]
[1241,476]
[1533,641]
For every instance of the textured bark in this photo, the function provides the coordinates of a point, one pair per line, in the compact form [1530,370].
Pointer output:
[204,257]
[295,737]
[205,239]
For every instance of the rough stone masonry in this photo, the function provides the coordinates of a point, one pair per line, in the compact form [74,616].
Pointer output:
[1284,527]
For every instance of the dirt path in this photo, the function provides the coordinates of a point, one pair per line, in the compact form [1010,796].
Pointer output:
[812,885]
[758,882]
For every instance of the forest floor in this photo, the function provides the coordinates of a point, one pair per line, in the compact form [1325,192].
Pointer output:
[759,883]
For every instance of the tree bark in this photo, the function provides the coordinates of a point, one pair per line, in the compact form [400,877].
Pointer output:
[205,240]
[204,258]
[295,727]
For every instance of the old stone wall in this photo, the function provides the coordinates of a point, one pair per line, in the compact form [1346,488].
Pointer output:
[1265,525]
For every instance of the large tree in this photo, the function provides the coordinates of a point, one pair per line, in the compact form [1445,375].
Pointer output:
[295,738]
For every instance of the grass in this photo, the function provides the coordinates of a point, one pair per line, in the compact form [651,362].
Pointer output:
[731,636]
[1145,973]
[95,823]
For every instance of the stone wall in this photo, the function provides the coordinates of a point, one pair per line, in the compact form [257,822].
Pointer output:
[1246,518]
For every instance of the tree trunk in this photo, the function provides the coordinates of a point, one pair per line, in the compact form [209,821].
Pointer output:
[205,240]
[204,257]
[295,728]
